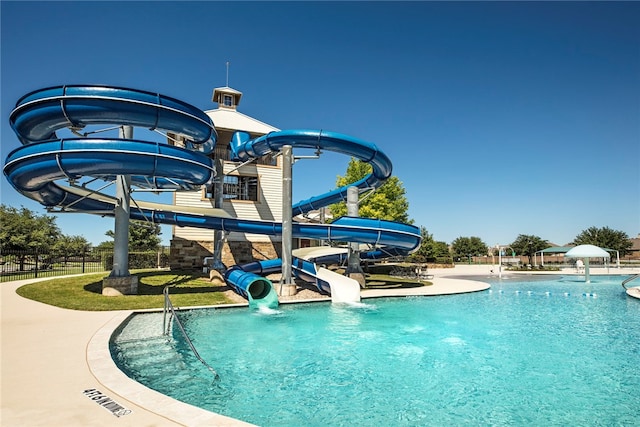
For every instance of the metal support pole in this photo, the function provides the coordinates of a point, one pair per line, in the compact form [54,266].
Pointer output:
[218,235]
[352,201]
[323,219]
[353,264]
[287,214]
[121,230]
[120,282]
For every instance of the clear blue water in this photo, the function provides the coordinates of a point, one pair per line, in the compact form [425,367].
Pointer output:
[544,352]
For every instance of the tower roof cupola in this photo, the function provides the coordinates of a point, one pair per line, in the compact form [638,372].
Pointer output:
[226,97]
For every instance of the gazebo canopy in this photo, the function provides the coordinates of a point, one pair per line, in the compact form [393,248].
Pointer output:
[581,251]
[587,251]
[557,250]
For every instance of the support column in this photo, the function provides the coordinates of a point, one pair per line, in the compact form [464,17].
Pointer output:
[287,287]
[120,281]
[323,219]
[218,235]
[121,229]
[587,278]
[354,271]
[217,267]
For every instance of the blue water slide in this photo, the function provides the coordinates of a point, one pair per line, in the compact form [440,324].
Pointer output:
[248,280]
[243,148]
[37,168]
[39,114]
[308,271]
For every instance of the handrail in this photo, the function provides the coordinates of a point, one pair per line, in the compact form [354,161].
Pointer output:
[629,279]
[168,307]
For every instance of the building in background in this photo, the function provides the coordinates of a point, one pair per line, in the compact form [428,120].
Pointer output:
[251,191]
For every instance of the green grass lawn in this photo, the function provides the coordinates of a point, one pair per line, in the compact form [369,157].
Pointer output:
[85,292]
[187,290]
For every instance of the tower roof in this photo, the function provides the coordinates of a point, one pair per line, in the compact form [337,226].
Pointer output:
[227,118]
[226,97]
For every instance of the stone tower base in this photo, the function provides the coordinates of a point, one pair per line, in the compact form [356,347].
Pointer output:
[117,286]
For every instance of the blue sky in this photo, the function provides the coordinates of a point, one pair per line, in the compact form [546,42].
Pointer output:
[501,118]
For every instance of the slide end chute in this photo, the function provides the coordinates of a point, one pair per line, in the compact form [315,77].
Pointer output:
[257,289]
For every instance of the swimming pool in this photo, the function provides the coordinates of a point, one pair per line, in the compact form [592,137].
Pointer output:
[543,352]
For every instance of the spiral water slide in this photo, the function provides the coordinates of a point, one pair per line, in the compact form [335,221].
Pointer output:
[48,169]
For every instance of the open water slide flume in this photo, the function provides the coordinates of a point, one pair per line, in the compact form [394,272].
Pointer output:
[39,168]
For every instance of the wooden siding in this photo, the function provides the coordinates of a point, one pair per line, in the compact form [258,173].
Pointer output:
[269,206]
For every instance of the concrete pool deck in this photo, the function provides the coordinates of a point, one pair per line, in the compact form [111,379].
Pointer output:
[57,369]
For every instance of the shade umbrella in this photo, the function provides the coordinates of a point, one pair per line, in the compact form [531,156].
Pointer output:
[585,252]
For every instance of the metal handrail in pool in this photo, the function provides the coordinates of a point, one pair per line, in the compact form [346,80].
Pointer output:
[629,279]
[168,307]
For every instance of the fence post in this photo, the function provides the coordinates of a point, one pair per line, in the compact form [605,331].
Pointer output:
[84,252]
[36,268]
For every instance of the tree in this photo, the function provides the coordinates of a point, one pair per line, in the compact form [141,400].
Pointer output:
[528,245]
[70,246]
[143,236]
[387,202]
[24,231]
[430,250]
[605,237]
[441,252]
[424,252]
[469,246]
[105,246]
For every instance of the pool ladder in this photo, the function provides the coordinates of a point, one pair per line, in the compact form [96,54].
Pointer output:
[629,279]
[168,309]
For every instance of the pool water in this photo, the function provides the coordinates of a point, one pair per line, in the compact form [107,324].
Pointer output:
[543,352]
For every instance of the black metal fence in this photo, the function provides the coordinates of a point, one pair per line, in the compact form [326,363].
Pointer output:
[20,265]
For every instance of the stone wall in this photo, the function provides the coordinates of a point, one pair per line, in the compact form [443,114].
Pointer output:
[188,254]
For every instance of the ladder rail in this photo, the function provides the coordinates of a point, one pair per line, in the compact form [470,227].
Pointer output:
[168,308]
[629,279]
